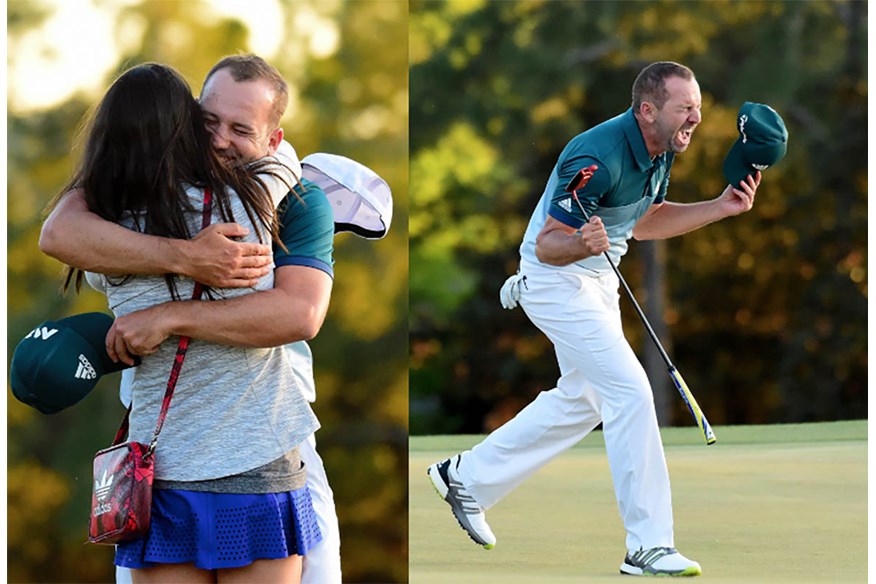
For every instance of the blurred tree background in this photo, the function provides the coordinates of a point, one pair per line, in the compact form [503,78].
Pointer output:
[347,66]
[767,311]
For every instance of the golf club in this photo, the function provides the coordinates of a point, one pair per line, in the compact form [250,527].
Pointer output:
[581,178]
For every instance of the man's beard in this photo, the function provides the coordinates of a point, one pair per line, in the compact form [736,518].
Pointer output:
[230,158]
[680,139]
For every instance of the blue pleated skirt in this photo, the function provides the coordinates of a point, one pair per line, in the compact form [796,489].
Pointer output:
[218,530]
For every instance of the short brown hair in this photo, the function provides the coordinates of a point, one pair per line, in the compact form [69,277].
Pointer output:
[650,84]
[250,68]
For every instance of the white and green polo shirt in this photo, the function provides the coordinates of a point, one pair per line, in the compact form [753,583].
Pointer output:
[625,185]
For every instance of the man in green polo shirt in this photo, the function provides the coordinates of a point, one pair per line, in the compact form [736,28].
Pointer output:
[570,292]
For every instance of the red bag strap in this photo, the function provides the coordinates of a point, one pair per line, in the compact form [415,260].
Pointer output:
[181,350]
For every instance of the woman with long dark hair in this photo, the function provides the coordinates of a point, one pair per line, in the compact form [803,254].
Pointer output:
[230,501]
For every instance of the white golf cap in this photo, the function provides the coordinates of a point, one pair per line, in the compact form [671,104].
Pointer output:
[361,200]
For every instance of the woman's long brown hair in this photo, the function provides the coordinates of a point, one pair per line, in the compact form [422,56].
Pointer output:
[145,144]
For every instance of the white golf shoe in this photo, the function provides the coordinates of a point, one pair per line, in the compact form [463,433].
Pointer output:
[468,513]
[659,561]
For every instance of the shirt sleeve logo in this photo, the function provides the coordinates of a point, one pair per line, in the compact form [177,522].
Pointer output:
[566,205]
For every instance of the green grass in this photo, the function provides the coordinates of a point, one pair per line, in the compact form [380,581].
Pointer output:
[781,503]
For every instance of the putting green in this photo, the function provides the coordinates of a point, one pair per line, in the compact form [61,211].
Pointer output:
[780,503]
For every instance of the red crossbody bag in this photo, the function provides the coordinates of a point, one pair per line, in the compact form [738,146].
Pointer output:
[121,502]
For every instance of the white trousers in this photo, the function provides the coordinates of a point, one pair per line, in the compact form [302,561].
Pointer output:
[322,564]
[601,380]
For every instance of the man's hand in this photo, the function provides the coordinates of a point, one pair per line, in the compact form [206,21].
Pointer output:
[137,333]
[740,199]
[293,310]
[213,258]
[594,238]
[82,239]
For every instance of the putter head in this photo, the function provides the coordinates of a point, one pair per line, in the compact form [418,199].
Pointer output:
[581,178]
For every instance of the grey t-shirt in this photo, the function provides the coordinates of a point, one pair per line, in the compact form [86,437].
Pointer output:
[234,409]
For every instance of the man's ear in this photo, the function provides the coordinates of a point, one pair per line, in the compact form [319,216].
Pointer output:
[274,140]
[648,111]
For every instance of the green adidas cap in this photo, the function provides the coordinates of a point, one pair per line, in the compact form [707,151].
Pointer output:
[762,142]
[59,362]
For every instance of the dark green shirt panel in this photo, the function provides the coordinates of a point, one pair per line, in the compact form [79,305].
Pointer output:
[307,229]
[626,173]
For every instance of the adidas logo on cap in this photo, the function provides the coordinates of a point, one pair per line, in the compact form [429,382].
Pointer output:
[85,370]
[41,332]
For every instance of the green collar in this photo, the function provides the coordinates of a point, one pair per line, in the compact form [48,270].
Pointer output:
[637,141]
